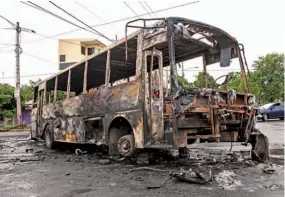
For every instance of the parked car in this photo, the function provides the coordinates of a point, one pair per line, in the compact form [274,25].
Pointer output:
[271,111]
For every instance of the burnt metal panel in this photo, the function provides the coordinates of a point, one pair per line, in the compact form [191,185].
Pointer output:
[67,115]
[134,118]
[192,123]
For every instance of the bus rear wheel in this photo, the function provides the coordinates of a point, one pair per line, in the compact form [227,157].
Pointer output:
[126,145]
[49,138]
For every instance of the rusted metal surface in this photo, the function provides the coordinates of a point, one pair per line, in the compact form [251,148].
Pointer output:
[68,84]
[107,78]
[55,89]
[205,77]
[156,119]
[68,115]
[85,78]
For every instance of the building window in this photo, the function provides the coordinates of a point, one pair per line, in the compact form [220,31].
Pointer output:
[62,58]
[90,51]
[82,50]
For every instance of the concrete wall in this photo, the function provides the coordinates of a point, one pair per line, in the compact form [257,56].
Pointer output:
[71,51]
[71,48]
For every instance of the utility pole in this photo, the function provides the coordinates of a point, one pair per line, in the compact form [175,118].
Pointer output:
[18,84]
[18,51]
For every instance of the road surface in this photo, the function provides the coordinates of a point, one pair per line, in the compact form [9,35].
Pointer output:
[63,173]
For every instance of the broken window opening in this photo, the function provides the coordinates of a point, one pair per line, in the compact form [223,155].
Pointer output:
[94,131]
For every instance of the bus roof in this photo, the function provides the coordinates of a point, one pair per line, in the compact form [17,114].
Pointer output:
[122,69]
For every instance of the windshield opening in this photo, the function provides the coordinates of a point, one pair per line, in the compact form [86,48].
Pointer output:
[267,105]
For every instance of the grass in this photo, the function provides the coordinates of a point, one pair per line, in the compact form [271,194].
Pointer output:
[14,128]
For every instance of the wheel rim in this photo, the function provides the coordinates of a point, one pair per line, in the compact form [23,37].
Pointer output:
[125,147]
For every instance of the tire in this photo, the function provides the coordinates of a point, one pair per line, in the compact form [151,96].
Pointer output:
[264,117]
[49,138]
[126,145]
[260,148]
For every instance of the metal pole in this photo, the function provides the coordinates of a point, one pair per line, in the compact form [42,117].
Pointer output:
[205,76]
[183,77]
[18,86]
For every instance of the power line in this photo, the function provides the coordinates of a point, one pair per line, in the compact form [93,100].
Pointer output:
[120,20]
[100,34]
[6,44]
[13,25]
[150,8]
[130,8]
[91,12]
[33,5]
[87,9]
[51,37]
[145,8]
[39,58]
[1,49]
[35,75]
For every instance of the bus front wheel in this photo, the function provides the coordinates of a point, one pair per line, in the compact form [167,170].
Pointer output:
[126,145]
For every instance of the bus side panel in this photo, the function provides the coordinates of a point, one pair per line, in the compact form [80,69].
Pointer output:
[134,118]
[68,115]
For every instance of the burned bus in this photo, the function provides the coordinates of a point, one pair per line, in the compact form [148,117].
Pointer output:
[121,98]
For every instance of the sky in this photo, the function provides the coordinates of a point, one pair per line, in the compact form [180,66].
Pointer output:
[258,24]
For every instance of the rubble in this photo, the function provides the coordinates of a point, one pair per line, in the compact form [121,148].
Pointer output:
[269,169]
[26,159]
[80,152]
[148,168]
[275,187]
[104,161]
[29,150]
[226,180]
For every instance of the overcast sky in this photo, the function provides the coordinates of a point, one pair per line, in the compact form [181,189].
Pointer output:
[258,24]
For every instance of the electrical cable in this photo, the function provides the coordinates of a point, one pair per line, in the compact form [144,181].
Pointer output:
[13,25]
[150,9]
[25,76]
[94,14]
[118,20]
[145,9]
[100,34]
[33,5]
[87,9]
[130,8]
[1,49]
[39,58]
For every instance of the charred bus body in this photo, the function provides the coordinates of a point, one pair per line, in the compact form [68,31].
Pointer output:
[142,112]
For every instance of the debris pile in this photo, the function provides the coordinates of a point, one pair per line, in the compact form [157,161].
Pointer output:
[268,168]
[226,180]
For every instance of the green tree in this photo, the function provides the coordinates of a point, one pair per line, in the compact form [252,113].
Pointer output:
[27,91]
[184,82]
[7,102]
[270,77]
[200,84]
[236,82]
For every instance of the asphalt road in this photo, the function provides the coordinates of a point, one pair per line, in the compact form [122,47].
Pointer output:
[63,173]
